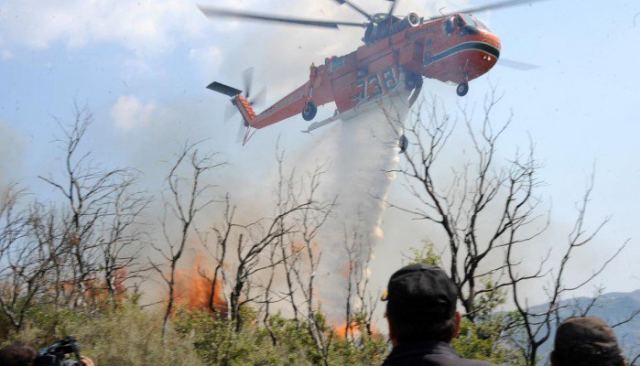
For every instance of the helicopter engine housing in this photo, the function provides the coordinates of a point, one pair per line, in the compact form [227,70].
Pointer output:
[411,20]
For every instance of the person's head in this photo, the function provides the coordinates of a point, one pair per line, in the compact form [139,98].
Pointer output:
[586,341]
[421,305]
[17,354]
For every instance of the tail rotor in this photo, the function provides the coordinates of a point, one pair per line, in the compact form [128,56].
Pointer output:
[229,112]
[259,98]
[241,102]
[256,100]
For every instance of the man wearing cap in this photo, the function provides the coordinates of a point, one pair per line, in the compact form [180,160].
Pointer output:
[586,341]
[422,316]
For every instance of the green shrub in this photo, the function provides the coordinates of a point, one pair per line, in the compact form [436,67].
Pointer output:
[131,336]
[127,336]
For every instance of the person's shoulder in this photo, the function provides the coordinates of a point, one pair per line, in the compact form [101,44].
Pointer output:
[457,361]
[454,360]
[438,361]
[429,354]
[466,362]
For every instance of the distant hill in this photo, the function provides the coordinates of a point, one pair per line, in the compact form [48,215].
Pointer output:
[613,307]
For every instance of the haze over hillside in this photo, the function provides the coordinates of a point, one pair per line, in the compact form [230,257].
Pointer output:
[614,307]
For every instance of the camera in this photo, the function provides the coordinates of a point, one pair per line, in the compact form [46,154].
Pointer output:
[65,352]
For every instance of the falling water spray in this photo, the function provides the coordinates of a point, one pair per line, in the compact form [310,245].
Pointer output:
[366,152]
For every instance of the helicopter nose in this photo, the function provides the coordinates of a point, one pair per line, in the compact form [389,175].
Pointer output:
[494,40]
[493,43]
[484,52]
[492,46]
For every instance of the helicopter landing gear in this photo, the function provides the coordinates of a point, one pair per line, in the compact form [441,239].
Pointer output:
[309,111]
[462,89]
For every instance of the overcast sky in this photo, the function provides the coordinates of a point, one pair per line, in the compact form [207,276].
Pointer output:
[142,67]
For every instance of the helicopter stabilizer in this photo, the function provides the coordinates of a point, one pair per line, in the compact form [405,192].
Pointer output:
[224,89]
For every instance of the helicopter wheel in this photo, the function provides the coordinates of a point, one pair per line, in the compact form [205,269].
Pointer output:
[462,89]
[309,111]
[412,81]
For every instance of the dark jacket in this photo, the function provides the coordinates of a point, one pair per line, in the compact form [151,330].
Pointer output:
[428,353]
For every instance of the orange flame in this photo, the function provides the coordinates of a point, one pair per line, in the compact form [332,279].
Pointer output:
[355,330]
[343,330]
[95,291]
[195,289]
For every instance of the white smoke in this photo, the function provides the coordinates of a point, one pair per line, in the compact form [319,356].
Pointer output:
[12,147]
[366,150]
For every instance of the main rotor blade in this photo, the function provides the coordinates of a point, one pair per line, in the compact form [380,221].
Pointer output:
[355,7]
[517,65]
[493,6]
[217,12]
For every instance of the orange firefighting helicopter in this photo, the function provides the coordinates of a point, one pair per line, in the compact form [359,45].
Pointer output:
[397,53]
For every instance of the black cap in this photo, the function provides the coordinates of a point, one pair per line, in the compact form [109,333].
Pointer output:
[586,338]
[423,291]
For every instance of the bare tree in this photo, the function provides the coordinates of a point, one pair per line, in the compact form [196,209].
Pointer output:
[305,265]
[286,245]
[481,205]
[360,302]
[94,234]
[259,236]
[78,252]
[296,245]
[261,262]
[24,263]
[120,244]
[532,328]
[487,211]
[186,199]
[224,237]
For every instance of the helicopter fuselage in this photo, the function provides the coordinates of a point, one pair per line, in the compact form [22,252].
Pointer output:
[456,50]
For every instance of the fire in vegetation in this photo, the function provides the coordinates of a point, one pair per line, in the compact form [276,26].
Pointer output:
[99,291]
[343,330]
[355,330]
[195,289]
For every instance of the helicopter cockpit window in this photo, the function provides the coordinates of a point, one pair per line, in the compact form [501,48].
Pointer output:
[480,24]
[468,24]
[472,21]
[449,25]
